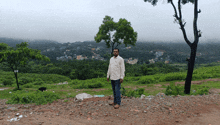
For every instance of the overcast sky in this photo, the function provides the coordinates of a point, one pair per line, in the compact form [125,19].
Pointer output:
[79,20]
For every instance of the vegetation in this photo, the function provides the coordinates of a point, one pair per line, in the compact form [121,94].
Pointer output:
[29,93]
[124,33]
[197,34]
[19,56]
[91,74]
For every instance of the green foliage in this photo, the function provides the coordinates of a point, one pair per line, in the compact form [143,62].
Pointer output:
[127,78]
[38,81]
[19,56]
[179,90]
[147,80]
[123,32]
[24,80]
[28,85]
[70,96]
[37,97]
[90,83]
[172,76]
[7,82]
[201,90]
[132,93]
[174,90]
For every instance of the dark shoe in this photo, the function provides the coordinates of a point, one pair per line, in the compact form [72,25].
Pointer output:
[116,106]
[112,103]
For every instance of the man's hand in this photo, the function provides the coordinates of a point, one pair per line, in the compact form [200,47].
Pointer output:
[108,79]
[121,80]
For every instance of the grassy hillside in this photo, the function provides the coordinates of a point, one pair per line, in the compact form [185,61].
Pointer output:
[134,86]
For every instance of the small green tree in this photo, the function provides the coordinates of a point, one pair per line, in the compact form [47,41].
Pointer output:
[123,33]
[18,56]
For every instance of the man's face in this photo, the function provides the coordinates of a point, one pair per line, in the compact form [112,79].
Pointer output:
[115,52]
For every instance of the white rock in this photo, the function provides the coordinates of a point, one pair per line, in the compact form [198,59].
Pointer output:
[21,116]
[82,96]
[142,96]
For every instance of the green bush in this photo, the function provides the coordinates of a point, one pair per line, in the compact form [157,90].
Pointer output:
[201,91]
[172,76]
[90,83]
[75,82]
[25,80]
[179,90]
[7,82]
[174,90]
[38,97]
[38,81]
[132,93]
[28,85]
[128,79]
[147,80]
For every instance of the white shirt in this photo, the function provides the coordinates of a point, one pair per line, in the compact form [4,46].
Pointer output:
[116,68]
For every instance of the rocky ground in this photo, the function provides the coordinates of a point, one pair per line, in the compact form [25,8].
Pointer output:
[155,110]
[151,110]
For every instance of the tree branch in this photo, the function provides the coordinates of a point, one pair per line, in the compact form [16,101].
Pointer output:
[181,23]
[180,13]
[174,10]
[196,36]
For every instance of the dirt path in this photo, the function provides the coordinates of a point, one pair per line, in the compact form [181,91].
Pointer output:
[155,110]
[190,110]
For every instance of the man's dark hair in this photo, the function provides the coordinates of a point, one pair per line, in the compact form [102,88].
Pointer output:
[117,49]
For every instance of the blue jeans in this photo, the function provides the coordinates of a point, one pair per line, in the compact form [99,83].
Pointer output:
[116,86]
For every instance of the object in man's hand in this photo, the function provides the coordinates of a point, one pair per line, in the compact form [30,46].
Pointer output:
[42,89]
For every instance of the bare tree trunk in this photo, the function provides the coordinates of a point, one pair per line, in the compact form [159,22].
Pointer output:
[191,63]
[16,75]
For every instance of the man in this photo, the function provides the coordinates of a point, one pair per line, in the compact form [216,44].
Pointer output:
[116,70]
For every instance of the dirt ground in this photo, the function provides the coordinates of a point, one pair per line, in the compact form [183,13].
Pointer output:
[157,110]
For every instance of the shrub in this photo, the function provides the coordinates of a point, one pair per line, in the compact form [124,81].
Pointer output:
[174,90]
[147,80]
[75,82]
[7,82]
[25,80]
[201,91]
[38,81]
[179,90]
[88,85]
[172,76]
[29,85]
[132,93]
[38,97]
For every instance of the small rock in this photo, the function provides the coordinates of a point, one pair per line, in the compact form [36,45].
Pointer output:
[142,96]
[1,118]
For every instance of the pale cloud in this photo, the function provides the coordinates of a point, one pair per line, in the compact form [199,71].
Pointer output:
[73,20]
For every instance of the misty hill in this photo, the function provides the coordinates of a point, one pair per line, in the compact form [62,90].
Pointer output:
[143,51]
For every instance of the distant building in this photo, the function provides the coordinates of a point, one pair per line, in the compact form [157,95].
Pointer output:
[130,61]
[79,57]
[128,47]
[97,48]
[151,61]
[93,49]
[159,53]
[166,62]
